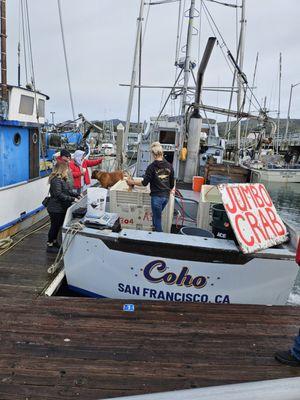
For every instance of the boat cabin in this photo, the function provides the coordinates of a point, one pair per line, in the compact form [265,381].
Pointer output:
[19,136]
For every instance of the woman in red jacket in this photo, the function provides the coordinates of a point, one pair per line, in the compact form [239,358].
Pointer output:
[80,172]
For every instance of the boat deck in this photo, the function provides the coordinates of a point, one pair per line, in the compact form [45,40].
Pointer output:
[66,348]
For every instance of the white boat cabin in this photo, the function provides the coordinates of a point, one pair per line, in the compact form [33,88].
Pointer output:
[26,106]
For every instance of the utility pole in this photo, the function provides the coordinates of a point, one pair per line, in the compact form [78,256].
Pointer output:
[134,69]
[289,110]
[240,86]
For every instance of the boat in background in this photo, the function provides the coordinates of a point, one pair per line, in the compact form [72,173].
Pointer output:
[22,184]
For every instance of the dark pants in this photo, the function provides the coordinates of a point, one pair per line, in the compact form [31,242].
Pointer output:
[57,220]
[296,348]
[158,204]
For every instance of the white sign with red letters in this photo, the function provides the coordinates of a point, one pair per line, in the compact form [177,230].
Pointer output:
[252,216]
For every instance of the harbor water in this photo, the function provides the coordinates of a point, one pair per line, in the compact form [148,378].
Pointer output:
[286,198]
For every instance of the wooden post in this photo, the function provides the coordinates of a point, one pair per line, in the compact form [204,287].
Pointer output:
[120,146]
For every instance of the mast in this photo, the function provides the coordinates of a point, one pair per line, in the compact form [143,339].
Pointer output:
[66,58]
[240,88]
[140,79]
[134,69]
[279,101]
[187,64]
[4,90]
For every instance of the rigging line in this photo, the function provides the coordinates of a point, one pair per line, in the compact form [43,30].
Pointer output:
[66,58]
[24,41]
[250,101]
[155,3]
[31,60]
[33,82]
[166,102]
[223,44]
[225,4]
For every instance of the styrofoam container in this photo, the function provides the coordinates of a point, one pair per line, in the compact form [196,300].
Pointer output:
[134,207]
[96,201]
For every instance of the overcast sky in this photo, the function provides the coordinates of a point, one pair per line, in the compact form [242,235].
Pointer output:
[100,37]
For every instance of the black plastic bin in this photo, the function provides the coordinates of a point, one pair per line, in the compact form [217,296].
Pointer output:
[221,227]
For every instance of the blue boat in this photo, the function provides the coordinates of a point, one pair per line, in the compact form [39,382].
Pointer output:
[23,183]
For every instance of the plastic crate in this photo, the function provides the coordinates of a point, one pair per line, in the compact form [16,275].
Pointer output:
[134,207]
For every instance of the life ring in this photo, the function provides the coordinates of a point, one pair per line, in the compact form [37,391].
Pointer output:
[35,138]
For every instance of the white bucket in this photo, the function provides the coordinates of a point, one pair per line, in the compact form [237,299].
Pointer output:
[96,201]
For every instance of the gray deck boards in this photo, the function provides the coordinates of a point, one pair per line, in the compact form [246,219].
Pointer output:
[66,348]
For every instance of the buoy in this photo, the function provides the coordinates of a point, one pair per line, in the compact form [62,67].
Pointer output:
[183,154]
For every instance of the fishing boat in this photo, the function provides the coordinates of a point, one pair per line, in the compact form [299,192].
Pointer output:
[136,263]
[126,260]
[23,184]
[276,174]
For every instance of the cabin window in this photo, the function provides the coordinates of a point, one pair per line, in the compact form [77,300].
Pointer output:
[167,137]
[17,139]
[26,105]
[41,108]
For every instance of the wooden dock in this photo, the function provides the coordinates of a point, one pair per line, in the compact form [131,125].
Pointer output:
[66,348]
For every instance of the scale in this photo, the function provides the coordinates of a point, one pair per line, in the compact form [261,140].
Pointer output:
[106,221]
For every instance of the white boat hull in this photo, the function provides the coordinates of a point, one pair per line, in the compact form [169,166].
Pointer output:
[23,205]
[276,175]
[159,266]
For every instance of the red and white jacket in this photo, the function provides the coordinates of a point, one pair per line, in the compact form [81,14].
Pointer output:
[76,171]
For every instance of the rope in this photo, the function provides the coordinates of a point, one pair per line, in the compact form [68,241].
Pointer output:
[68,239]
[5,243]
[8,248]
[66,59]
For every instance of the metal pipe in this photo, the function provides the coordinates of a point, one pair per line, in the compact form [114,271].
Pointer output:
[206,56]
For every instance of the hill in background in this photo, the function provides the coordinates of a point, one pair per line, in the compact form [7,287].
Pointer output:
[294,126]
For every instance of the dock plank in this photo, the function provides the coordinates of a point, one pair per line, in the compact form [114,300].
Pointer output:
[62,348]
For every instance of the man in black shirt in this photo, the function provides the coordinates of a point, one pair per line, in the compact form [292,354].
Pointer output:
[160,175]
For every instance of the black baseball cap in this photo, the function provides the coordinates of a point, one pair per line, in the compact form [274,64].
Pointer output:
[65,153]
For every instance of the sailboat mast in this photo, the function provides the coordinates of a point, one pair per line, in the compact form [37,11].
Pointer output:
[240,88]
[4,90]
[187,64]
[134,69]
[279,102]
